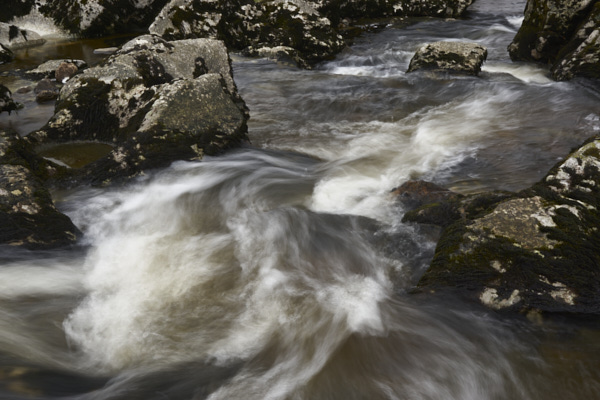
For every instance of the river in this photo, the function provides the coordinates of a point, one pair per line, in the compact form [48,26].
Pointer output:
[282,270]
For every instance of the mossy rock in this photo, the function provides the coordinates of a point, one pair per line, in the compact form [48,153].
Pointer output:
[536,249]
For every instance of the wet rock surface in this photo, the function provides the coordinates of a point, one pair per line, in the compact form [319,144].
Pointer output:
[94,18]
[457,57]
[561,33]
[304,32]
[532,250]
[139,102]
[49,68]
[28,217]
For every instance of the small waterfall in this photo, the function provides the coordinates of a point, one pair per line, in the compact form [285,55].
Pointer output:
[40,24]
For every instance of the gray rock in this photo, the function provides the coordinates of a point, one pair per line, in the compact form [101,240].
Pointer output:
[12,37]
[28,217]
[581,56]
[562,33]
[533,250]
[139,101]
[48,69]
[466,58]
[253,26]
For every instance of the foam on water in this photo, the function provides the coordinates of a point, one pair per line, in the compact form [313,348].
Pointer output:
[526,72]
[39,24]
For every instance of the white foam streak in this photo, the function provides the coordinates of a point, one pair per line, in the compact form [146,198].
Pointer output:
[32,280]
[39,24]
[386,154]
[516,21]
[526,72]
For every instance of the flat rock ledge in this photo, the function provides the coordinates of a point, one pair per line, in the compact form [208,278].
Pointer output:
[538,249]
[456,57]
[28,217]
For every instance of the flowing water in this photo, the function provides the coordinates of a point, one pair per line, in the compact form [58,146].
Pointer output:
[282,270]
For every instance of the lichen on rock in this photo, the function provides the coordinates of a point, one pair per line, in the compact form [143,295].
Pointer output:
[536,249]
[458,57]
[138,101]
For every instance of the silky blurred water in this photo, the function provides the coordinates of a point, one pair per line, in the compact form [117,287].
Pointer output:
[282,270]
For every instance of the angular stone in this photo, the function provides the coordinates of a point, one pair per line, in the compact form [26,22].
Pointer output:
[28,217]
[537,249]
[139,101]
[458,57]
[48,69]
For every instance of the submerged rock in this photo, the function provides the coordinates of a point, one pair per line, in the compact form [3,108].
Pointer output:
[536,249]
[46,90]
[28,217]
[13,37]
[562,33]
[460,57]
[155,102]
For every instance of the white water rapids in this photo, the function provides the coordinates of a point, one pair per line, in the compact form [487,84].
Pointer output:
[282,270]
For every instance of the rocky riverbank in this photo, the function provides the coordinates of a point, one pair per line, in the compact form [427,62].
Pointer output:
[532,250]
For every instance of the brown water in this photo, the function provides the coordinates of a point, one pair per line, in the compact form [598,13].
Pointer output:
[282,271]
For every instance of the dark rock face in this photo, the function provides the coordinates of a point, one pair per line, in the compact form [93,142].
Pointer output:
[12,37]
[299,30]
[93,18]
[253,26]
[6,101]
[562,33]
[339,9]
[15,8]
[139,102]
[465,58]
[28,217]
[413,194]
[537,249]
[5,54]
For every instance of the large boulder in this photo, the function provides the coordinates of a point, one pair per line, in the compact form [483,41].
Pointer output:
[460,57]
[538,249]
[561,33]
[154,102]
[12,37]
[93,18]
[301,30]
[253,26]
[6,101]
[28,217]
